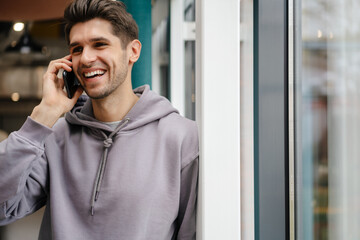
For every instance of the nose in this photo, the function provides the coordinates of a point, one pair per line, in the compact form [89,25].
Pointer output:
[87,56]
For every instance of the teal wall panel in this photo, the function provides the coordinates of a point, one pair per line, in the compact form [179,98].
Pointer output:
[141,12]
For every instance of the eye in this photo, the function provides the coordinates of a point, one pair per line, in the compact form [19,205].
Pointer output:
[76,50]
[100,44]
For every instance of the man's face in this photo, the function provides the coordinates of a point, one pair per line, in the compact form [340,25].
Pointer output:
[99,60]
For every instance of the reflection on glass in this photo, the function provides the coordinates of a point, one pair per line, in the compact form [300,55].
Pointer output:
[329,202]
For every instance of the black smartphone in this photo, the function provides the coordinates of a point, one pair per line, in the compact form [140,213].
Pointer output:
[71,83]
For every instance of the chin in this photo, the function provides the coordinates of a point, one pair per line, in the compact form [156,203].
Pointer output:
[97,95]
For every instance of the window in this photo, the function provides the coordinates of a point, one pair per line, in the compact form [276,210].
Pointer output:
[328,155]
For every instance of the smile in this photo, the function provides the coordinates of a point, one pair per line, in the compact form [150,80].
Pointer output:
[94,73]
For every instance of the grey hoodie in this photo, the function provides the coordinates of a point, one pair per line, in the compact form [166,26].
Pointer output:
[137,182]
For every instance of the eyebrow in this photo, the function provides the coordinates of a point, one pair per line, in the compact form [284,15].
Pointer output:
[97,39]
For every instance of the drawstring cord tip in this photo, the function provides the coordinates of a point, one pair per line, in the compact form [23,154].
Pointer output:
[92,211]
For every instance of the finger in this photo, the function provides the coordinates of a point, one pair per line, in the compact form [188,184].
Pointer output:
[54,67]
[68,57]
[61,83]
[77,94]
[65,60]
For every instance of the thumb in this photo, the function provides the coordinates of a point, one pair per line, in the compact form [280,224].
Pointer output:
[76,96]
[78,93]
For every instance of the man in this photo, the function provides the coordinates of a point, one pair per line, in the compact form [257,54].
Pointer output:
[123,165]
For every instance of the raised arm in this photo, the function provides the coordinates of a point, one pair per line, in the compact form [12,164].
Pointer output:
[23,163]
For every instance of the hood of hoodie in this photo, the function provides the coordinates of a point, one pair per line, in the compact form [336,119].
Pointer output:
[150,107]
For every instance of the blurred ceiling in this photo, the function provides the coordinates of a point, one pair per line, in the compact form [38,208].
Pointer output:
[31,10]
[43,18]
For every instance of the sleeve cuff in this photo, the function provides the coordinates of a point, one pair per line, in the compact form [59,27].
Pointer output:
[34,131]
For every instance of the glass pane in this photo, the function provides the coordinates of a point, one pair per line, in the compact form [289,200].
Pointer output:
[160,48]
[328,179]
[189,63]
[189,10]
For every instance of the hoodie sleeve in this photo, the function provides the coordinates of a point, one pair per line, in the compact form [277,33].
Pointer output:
[188,199]
[23,172]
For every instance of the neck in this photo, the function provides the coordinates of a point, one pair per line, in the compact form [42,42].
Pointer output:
[115,106]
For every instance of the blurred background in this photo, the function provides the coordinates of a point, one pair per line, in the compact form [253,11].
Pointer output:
[31,34]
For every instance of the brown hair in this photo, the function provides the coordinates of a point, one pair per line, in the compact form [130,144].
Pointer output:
[123,24]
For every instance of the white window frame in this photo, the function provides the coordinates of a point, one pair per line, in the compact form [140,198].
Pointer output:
[218,117]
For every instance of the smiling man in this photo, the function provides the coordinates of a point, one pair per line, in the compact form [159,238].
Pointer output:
[122,163]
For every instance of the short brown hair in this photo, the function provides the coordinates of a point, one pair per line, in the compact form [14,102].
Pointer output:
[123,24]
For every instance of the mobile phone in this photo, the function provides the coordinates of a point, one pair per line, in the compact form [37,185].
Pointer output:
[71,83]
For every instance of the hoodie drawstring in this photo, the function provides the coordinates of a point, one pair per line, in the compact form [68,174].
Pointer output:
[100,173]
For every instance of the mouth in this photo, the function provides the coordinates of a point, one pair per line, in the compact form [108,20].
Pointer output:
[93,74]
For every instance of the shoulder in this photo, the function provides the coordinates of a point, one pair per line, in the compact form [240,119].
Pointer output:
[184,133]
[180,127]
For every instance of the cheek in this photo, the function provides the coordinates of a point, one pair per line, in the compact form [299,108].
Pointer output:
[75,67]
[75,62]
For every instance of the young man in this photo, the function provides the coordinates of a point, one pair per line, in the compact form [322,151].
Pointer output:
[123,165]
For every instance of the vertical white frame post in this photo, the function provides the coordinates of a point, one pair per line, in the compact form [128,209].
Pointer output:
[291,117]
[247,119]
[177,55]
[218,117]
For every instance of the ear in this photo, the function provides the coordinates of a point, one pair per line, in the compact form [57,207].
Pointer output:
[134,49]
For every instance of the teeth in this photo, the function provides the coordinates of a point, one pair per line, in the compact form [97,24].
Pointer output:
[91,74]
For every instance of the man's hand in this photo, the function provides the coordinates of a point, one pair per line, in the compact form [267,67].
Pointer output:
[54,102]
